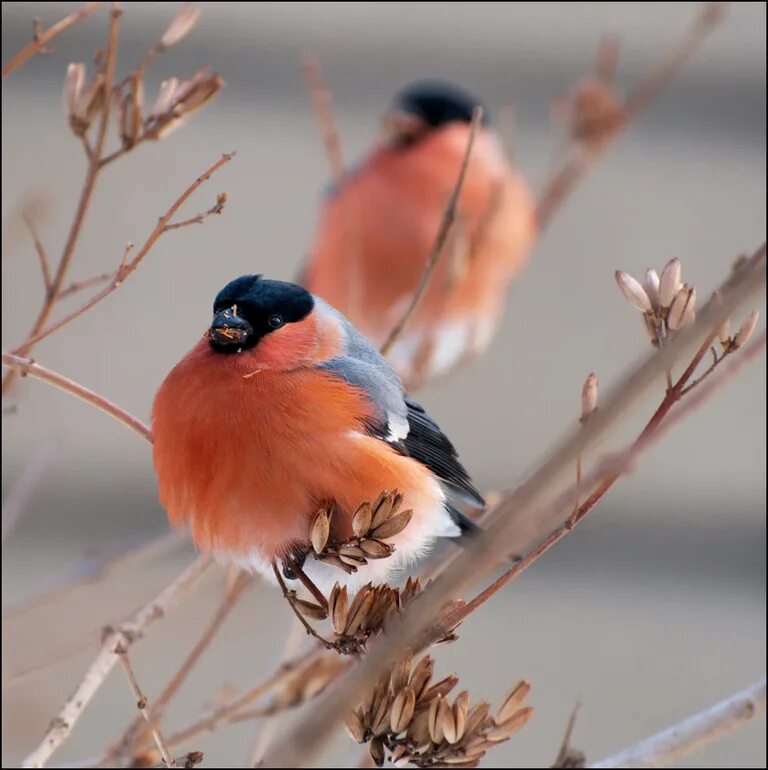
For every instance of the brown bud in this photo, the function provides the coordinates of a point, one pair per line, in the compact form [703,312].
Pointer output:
[435,724]
[513,701]
[375,549]
[421,675]
[460,711]
[477,716]
[393,526]
[337,608]
[354,725]
[401,672]
[181,25]
[402,710]
[441,688]
[381,509]
[359,610]
[633,291]
[377,751]
[352,552]
[588,396]
[447,721]
[320,531]
[361,521]
[745,332]
[516,722]
[670,282]
[166,97]
[310,609]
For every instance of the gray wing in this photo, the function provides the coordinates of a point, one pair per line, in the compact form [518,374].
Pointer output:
[399,420]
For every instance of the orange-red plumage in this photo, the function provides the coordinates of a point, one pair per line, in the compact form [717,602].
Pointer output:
[376,231]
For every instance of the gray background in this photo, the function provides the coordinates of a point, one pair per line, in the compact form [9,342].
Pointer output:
[652,609]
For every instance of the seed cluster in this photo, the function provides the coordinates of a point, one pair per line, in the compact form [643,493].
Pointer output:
[411,720]
[372,524]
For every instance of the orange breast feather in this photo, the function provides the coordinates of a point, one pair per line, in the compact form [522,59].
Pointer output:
[245,461]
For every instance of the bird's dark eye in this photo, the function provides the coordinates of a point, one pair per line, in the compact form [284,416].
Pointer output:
[275,321]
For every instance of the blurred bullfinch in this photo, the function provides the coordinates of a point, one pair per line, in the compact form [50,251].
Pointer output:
[282,408]
[378,225]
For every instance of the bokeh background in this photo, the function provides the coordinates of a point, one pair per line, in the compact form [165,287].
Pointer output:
[652,609]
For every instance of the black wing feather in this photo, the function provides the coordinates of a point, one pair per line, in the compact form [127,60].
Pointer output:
[426,443]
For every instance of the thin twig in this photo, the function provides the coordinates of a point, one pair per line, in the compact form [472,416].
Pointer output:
[62,725]
[675,743]
[321,101]
[141,704]
[198,219]
[128,267]
[449,216]
[27,366]
[77,286]
[43,37]
[512,526]
[17,500]
[567,756]
[41,255]
[135,735]
[578,163]
[86,195]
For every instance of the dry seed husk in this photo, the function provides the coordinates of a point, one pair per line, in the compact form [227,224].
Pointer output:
[377,752]
[447,721]
[380,509]
[402,710]
[335,561]
[361,521]
[434,722]
[320,531]
[310,610]
[401,671]
[460,711]
[338,605]
[443,687]
[374,549]
[353,552]
[421,675]
[354,725]
[393,526]
[477,716]
[513,701]
[502,731]
[359,611]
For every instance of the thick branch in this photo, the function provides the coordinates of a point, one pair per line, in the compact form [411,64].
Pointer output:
[677,742]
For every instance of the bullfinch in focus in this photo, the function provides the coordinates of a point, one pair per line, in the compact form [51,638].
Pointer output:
[284,408]
[378,225]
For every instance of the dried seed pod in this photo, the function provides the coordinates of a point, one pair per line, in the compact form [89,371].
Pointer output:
[181,25]
[400,756]
[410,591]
[670,282]
[513,701]
[393,526]
[402,710]
[335,561]
[73,87]
[477,716]
[441,688]
[354,725]
[651,285]
[397,501]
[434,722]
[352,552]
[421,675]
[359,610]
[320,531]
[516,722]
[401,672]
[746,330]
[447,721]
[418,729]
[460,711]
[361,521]
[377,751]
[310,609]
[689,314]
[588,396]
[380,509]
[380,718]
[633,291]
[337,608]
[375,549]
[678,309]
[166,97]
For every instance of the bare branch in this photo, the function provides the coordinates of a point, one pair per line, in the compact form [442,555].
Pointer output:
[43,37]
[77,286]
[141,704]
[449,217]
[41,255]
[26,366]
[678,741]
[127,267]
[62,725]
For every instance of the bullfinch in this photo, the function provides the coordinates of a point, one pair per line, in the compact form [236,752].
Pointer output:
[378,224]
[284,408]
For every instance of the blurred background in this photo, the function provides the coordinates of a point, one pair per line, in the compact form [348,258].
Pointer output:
[651,610]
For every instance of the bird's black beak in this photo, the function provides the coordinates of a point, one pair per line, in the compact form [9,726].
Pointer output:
[229,330]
